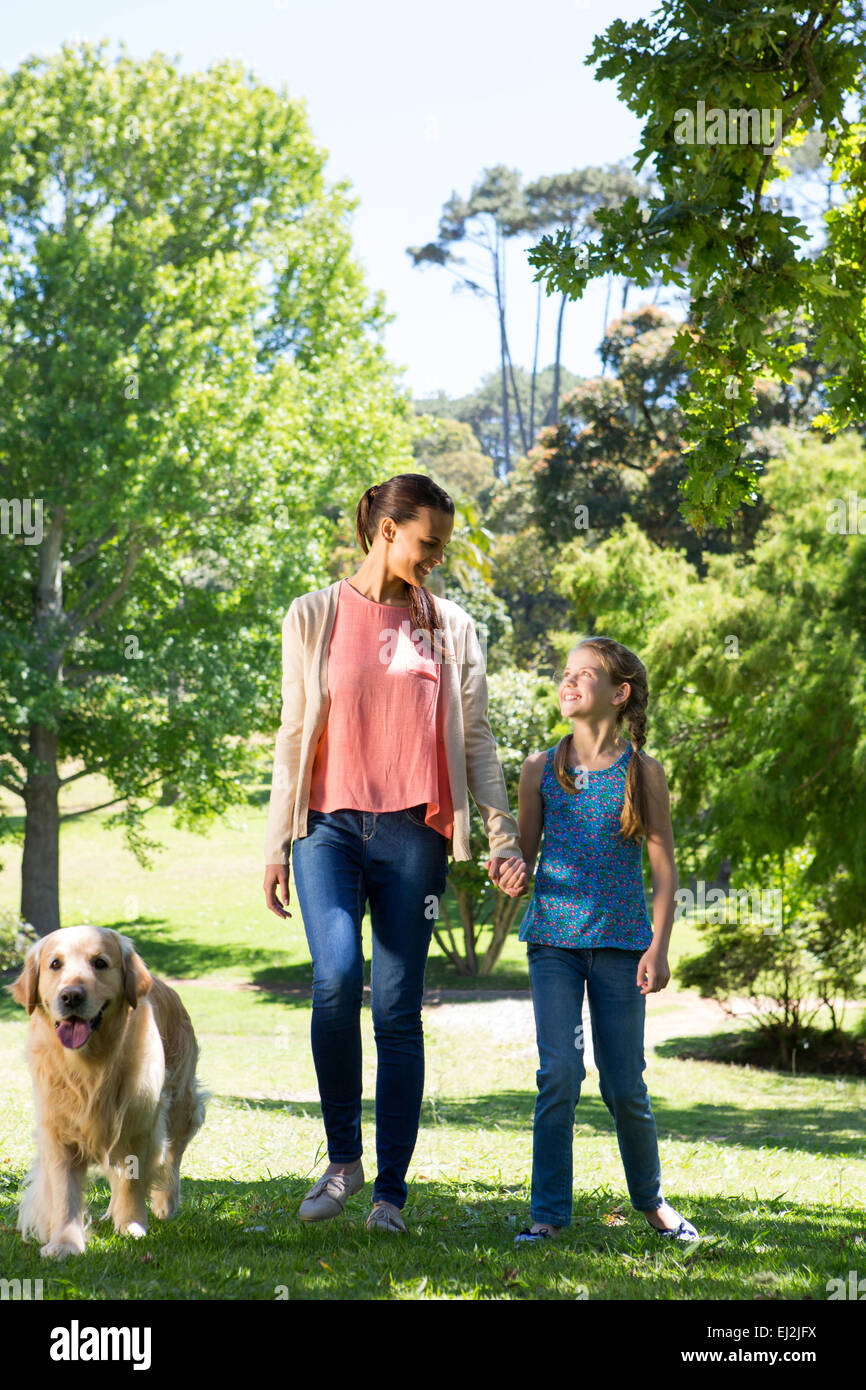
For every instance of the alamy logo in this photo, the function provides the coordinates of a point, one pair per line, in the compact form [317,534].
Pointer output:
[75,1343]
[16,518]
[855,1288]
[20,1289]
[739,905]
[737,126]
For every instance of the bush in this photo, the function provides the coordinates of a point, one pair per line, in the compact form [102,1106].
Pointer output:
[16,938]
[523,715]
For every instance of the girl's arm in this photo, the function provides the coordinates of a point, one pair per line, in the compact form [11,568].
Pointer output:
[530,810]
[660,846]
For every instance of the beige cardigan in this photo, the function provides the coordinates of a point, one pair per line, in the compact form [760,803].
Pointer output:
[472,759]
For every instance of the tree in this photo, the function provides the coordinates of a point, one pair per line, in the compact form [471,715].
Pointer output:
[493,212]
[482,409]
[191,366]
[568,202]
[617,450]
[523,715]
[757,675]
[726,92]
[449,448]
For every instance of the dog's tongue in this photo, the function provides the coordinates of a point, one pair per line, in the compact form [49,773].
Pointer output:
[74,1032]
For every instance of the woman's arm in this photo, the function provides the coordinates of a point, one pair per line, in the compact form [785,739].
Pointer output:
[484,776]
[287,754]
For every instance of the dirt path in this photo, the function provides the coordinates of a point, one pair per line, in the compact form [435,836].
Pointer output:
[670,1014]
[507,1015]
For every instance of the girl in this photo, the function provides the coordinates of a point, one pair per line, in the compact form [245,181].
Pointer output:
[587,925]
[384,733]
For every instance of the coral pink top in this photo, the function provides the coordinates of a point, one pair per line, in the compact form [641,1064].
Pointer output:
[383,747]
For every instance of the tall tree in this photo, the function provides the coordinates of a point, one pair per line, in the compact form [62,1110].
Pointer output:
[569,202]
[757,672]
[493,212]
[726,90]
[482,408]
[190,367]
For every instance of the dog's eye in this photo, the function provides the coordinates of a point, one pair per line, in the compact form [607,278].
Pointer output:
[100,964]
[56,963]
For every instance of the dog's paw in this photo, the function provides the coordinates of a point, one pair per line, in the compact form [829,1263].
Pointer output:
[135,1229]
[163,1206]
[59,1249]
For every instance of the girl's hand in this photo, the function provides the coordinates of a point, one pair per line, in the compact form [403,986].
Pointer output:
[508,874]
[653,971]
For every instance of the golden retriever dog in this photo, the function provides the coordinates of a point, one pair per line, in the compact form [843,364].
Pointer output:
[112,1055]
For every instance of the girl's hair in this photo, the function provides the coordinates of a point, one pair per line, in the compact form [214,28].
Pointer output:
[621,665]
[402,498]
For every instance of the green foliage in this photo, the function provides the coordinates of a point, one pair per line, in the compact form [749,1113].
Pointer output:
[482,408]
[16,937]
[192,369]
[523,713]
[715,229]
[789,969]
[757,673]
[447,450]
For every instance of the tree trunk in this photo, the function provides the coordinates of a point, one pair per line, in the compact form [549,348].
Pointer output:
[534,365]
[553,418]
[40,878]
[506,445]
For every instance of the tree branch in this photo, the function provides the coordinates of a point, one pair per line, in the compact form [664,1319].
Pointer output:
[79,621]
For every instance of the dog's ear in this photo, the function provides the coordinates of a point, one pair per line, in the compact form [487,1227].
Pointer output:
[25,990]
[137,979]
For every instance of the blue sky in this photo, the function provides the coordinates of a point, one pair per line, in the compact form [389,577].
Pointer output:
[411,103]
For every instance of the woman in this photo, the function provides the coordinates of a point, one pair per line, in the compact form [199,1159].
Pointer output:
[384,732]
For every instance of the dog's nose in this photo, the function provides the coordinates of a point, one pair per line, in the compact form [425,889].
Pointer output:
[71,997]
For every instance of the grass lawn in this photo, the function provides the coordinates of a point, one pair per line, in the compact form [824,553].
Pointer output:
[769,1167]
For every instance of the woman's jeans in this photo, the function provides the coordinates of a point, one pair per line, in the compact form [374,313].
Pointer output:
[617,1009]
[400,864]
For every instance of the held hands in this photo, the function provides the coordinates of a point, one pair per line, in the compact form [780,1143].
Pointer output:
[508,874]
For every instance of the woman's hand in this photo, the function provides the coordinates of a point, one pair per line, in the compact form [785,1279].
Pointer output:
[277,874]
[508,874]
[653,971]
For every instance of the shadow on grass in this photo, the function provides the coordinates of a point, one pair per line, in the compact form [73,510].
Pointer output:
[179,957]
[819,1052]
[816,1130]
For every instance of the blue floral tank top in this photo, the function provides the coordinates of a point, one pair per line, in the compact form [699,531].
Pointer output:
[588,883]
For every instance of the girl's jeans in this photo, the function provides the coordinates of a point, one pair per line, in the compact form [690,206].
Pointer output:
[400,864]
[617,1008]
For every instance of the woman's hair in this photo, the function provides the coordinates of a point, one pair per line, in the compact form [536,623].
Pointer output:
[621,665]
[402,498]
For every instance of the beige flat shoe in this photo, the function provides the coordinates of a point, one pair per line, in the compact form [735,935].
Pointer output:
[327,1197]
[386,1217]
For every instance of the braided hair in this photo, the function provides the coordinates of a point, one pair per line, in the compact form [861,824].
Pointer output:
[621,665]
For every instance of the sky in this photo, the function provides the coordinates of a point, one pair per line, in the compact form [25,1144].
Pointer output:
[411,103]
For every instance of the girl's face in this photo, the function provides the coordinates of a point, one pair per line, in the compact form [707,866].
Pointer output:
[586,687]
[419,546]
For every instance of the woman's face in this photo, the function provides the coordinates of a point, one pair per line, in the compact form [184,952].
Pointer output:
[419,546]
[586,687]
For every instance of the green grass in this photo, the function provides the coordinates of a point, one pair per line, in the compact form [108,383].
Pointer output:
[769,1167]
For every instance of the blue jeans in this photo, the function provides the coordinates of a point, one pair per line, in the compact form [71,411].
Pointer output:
[617,1009]
[401,865]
